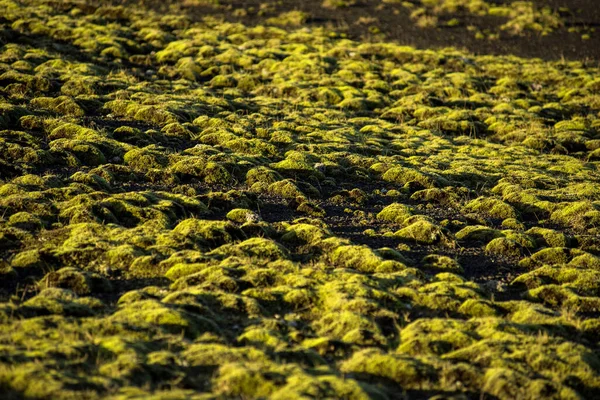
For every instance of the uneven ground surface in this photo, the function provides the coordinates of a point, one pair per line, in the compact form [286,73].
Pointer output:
[195,208]
[549,29]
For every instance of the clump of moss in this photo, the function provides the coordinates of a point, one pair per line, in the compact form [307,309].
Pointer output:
[290,18]
[146,158]
[304,234]
[206,232]
[80,282]
[338,3]
[29,260]
[441,263]
[565,297]
[152,114]
[91,180]
[545,237]
[551,256]
[197,167]
[176,130]
[61,302]
[26,221]
[262,175]
[260,248]
[479,308]
[410,176]
[121,257]
[442,196]
[405,371]
[287,189]
[64,105]
[435,336]
[242,215]
[311,209]
[513,223]
[503,247]
[147,314]
[478,233]
[578,215]
[362,258]
[85,153]
[395,212]
[350,327]
[424,232]
[491,207]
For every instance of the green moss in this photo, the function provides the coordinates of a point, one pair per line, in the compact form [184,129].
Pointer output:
[242,215]
[513,223]
[188,69]
[176,130]
[152,114]
[350,327]
[491,207]
[362,258]
[180,270]
[445,196]
[243,380]
[566,298]
[121,257]
[304,234]
[198,167]
[205,232]
[311,209]
[286,189]
[80,282]
[26,221]
[145,159]
[261,248]
[405,371]
[478,233]
[578,215]
[262,338]
[410,176]
[395,212]
[551,256]
[585,260]
[289,19]
[425,232]
[62,105]
[85,153]
[61,302]
[435,336]
[28,259]
[503,247]
[545,237]
[441,263]
[110,159]
[150,314]
[91,180]
[479,308]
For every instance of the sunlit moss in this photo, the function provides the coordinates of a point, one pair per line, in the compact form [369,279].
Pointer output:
[202,208]
[425,232]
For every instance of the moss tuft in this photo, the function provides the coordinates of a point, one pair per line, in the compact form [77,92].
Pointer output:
[408,176]
[478,233]
[441,263]
[80,282]
[503,247]
[491,207]
[395,212]
[424,232]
